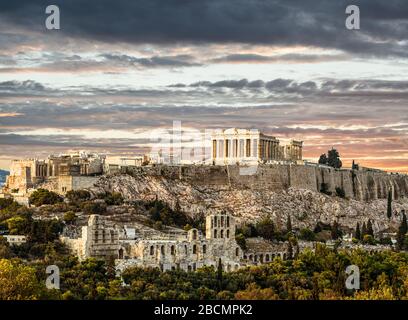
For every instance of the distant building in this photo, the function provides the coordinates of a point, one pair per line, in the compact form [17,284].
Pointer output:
[15,239]
[59,173]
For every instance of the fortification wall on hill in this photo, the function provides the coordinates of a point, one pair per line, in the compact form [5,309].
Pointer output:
[359,185]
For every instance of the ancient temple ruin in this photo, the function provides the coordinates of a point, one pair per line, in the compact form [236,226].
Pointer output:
[239,146]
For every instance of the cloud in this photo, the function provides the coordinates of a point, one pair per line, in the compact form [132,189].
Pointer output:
[348,114]
[284,58]
[317,23]
[152,62]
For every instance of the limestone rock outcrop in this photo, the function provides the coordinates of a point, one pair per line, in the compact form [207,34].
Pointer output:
[199,191]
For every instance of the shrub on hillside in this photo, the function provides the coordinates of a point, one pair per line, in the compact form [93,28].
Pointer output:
[324,188]
[44,196]
[340,192]
[78,196]
[90,207]
[307,234]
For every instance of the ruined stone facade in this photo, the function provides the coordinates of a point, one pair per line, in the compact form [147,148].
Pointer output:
[99,239]
[232,146]
[187,252]
[58,173]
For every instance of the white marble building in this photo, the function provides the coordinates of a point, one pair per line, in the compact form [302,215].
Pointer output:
[241,146]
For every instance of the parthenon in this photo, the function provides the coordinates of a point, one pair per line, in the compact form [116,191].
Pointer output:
[232,146]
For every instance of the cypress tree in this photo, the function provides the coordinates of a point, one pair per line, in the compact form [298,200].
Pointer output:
[363,230]
[358,232]
[370,230]
[289,225]
[404,223]
[402,230]
[219,274]
[389,205]
[290,250]
[335,231]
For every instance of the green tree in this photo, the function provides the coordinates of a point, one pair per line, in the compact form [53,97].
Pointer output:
[323,159]
[307,234]
[324,188]
[114,198]
[92,207]
[335,231]
[6,202]
[219,275]
[370,230]
[18,225]
[266,228]
[241,241]
[70,217]
[357,233]
[389,205]
[5,252]
[369,239]
[43,196]
[290,250]
[289,224]
[18,282]
[402,231]
[78,195]
[333,159]
[363,230]
[340,192]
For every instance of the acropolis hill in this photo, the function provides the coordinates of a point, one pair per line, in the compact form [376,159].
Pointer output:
[248,174]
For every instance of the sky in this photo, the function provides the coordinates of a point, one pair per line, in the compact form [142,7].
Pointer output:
[118,72]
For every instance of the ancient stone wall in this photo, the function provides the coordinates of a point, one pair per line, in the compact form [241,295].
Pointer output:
[360,185]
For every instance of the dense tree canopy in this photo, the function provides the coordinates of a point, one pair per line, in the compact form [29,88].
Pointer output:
[332,159]
[43,196]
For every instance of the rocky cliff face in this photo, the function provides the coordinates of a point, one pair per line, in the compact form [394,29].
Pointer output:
[249,201]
